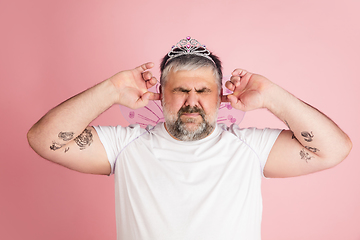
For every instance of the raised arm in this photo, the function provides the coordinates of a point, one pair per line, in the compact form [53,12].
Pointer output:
[63,135]
[312,143]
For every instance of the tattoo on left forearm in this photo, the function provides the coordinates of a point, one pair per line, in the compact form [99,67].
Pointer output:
[308,136]
[304,155]
[287,124]
[293,134]
[312,149]
[84,139]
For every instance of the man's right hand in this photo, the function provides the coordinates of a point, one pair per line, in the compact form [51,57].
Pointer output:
[132,86]
[63,134]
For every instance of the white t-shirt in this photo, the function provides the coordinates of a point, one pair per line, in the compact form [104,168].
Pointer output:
[167,189]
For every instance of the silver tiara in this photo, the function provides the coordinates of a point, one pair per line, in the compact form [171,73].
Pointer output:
[188,46]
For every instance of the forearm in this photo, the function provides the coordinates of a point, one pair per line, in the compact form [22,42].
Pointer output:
[315,131]
[65,122]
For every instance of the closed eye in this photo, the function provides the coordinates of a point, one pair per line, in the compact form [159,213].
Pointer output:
[203,90]
[180,89]
[184,90]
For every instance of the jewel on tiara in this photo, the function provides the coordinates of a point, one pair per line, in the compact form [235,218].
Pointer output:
[187,46]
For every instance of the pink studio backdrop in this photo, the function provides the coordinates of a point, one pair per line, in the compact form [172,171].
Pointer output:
[51,50]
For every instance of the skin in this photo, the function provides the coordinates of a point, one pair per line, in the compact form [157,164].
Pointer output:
[312,143]
[128,88]
[191,88]
[292,154]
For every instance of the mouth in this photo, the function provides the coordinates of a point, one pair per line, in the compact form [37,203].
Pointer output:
[191,114]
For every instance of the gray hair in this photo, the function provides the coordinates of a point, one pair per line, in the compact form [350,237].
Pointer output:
[190,62]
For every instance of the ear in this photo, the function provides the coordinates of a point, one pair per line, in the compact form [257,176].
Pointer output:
[160,92]
[223,98]
[221,93]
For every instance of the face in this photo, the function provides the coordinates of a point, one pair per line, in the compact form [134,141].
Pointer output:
[190,103]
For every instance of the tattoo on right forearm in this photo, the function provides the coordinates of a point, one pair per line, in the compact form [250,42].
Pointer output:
[66,136]
[55,146]
[84,139]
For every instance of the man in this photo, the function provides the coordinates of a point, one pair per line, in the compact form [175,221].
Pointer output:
[189,178]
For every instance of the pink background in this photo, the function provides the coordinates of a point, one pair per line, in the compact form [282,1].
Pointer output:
[51,50]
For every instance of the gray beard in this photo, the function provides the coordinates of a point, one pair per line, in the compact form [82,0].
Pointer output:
[178,128]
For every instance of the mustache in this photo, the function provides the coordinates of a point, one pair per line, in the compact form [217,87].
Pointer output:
[189,109]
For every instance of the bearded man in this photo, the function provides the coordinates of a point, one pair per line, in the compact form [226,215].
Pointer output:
[189,177]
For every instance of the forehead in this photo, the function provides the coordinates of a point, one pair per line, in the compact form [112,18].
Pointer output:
[202,77]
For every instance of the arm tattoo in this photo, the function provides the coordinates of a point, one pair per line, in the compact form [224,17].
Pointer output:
[287,124]
[305,155]
[314,150]
[307,136]
[55,146]
[66,136]
[293,134]
[84,139]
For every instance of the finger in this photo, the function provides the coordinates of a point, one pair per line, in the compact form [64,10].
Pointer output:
[235,80]
[147,75]
[145,98]
[151,82]
[154,96]
[234,83]
[239,72]
[229,85]
[235,102]
[142,101]
[144,67]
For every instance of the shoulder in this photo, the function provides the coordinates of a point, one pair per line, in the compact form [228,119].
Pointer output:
[119,132]
[251,134]
[120,129]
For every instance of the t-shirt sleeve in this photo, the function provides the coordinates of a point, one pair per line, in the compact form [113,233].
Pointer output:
[260,141]
[114,139]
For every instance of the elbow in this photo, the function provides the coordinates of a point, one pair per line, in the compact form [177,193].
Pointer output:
[35,143]
[31,138]
[347,148]
[341,154]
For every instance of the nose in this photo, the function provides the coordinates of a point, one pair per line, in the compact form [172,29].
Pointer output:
[192,99]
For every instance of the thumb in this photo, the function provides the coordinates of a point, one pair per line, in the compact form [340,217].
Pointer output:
[144,99]
[154,96]
[151,96]
[235,102]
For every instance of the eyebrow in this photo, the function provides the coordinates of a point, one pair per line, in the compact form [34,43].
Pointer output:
[201,90]
[204,89]
[181,89]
